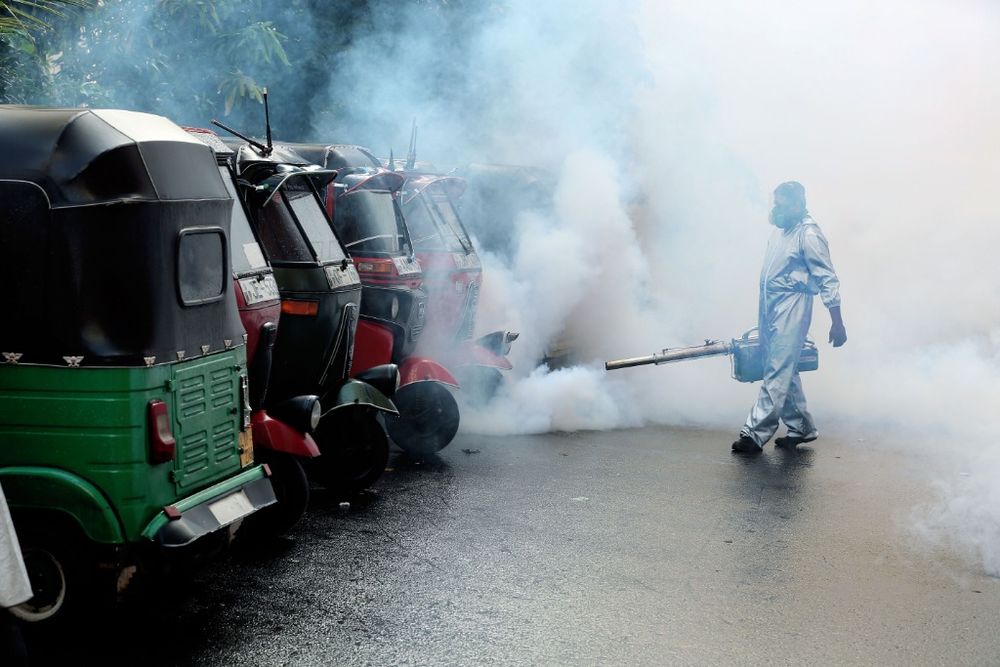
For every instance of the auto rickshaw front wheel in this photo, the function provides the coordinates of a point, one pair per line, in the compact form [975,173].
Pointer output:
[57,571]
[291,488]
[428,417]
[355,451]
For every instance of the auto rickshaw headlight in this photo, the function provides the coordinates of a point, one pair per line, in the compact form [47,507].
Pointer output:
[508,338]
[384,377]
[315,415]
[394,308]
[302,413]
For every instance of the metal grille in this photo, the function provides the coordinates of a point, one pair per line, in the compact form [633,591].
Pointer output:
[469,316]
[206,423]
[418,322]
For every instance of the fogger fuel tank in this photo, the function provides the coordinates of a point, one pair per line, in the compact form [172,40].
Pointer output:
[746,354]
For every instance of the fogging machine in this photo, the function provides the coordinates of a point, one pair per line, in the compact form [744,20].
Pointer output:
[746,354]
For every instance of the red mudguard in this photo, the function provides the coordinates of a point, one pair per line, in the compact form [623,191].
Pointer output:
[470,354]
[419,369]
[278,436]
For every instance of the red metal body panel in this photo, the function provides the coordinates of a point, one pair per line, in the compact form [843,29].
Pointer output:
[254,317]
[388,276]
[470,354]
[418,369]
[447,292]
[278,436]
[372,346]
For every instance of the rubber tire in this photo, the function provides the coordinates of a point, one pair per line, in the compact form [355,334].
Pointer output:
[57,568]
[355,452]
[428,418]
[291,487]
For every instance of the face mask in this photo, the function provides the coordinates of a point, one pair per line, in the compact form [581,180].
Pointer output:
[784,218]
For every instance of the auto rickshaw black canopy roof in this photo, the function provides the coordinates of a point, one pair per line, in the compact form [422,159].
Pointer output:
[93,156]
[336,156]
[114,250]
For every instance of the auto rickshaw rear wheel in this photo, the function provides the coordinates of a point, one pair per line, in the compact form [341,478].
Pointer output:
[291,488]
[355,451]
[428,417]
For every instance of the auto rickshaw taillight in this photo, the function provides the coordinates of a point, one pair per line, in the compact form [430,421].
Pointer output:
[375,267]
[162,446]
[295,307]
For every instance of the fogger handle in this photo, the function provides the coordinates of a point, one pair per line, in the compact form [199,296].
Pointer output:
[709,349]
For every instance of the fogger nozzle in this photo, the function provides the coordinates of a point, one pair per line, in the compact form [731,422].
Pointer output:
[669,355]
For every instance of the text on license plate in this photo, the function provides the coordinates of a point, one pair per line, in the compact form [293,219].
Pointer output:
[259,288]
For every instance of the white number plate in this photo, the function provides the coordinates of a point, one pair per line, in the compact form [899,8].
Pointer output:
[406,266]
[255,291]
[463,261]
[231,508]
[338,278]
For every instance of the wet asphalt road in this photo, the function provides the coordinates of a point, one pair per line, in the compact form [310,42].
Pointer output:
[641,547]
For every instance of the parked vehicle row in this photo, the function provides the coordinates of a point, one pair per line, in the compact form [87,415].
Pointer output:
[201,326]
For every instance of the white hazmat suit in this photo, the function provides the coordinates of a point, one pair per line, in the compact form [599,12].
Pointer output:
[14,585]
[797,266]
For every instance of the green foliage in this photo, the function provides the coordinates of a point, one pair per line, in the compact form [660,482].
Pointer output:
[27,16]
[239,86]
[192,60]
[195,55]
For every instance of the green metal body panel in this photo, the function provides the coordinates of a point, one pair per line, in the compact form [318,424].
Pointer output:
[91,425]
[51,489]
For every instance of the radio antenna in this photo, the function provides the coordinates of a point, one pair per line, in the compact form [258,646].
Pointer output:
[256,144]
[267,123]
[411,157]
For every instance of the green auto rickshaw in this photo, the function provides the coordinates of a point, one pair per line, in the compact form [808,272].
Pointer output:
[124,416]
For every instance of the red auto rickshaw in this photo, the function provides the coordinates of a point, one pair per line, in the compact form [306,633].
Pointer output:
[453,277]
[362,203]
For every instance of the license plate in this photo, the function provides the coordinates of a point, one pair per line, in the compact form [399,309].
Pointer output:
[246,448]
[405,266]
[463,261]
[231,508]
[338,278]
[256,289]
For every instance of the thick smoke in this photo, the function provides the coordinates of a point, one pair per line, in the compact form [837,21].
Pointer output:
[668,124]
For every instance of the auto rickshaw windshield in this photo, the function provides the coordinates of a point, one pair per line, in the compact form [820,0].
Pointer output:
[368,221]
[293,228]
[315,225]
[429,231]
[280,236]
[422,226]
[247,257]
[453,229]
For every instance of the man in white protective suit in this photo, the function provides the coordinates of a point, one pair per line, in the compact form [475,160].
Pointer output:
[797,266]
[14,589]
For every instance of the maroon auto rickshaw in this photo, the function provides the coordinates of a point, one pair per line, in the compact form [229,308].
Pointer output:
[282,433]
[362,203]
[453,277]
